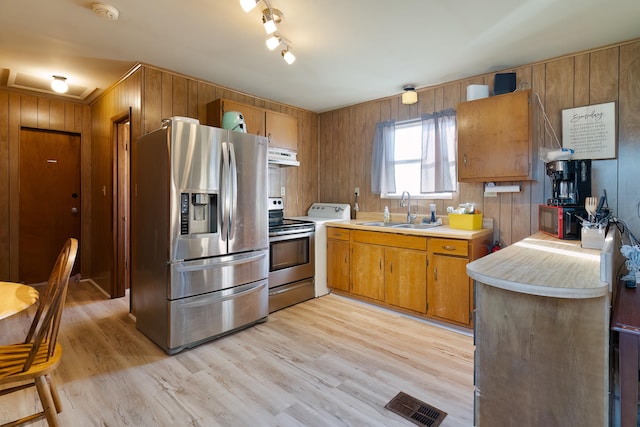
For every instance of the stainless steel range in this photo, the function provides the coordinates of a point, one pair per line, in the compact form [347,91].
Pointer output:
[291,258]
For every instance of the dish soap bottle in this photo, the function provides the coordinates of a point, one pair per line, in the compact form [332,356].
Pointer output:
[387,215]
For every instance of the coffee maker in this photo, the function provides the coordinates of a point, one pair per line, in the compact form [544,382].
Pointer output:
[570,182]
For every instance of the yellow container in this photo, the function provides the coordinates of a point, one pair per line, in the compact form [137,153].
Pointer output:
[465,221]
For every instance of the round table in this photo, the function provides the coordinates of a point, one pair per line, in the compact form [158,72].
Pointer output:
[15,297]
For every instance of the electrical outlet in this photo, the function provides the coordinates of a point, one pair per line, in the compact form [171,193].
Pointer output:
[357,191]
[283,192]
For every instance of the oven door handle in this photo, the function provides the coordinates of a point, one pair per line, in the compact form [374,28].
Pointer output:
[289,235]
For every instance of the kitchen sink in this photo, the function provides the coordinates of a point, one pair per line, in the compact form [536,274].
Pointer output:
[417,226]
[421,226]
[382,224]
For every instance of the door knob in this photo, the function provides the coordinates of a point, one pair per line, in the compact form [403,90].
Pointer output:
[74,210]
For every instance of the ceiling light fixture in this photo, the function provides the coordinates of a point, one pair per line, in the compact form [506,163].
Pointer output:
[105,11]
[59,84]
[270,17]
[289,57]
[274,41]
[409,96]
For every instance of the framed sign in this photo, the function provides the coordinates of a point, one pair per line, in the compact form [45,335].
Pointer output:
[590,131]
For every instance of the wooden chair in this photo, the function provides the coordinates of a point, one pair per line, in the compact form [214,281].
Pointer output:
[29,363]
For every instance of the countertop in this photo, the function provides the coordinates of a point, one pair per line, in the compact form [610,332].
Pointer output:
[545,266]
[442,231]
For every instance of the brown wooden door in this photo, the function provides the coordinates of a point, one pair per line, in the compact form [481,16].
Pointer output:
[49,200]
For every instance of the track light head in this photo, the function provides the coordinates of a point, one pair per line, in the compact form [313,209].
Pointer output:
[288,56]
[248,5]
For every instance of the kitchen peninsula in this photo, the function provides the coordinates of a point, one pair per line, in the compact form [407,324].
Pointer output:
[420,271]
[542,335]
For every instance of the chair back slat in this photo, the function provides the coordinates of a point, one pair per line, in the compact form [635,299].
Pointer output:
[46,321]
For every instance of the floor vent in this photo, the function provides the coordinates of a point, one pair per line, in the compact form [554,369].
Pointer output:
[415,410]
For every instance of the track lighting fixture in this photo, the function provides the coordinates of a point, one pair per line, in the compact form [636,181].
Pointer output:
[59,84]
[409,96]
[289,57]
[270,17]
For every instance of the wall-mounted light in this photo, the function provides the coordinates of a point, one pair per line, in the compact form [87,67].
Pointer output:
[409,96]
[59,84]
[274,41]
[289,57]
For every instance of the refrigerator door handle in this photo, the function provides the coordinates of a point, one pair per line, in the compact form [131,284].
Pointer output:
[224,296]
[199,266]
[233,189]
[224,194]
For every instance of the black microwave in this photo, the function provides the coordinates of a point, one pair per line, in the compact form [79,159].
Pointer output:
[562,222]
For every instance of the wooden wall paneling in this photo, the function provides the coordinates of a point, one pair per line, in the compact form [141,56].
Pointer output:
[629,137]
[179,97]
[56,114]
[192,99]
[43,113]
[18,110]
[28,111]
[324,148]
[559,82]
[540,186]
[341,157]
[581,80]
[604,71]
[69,117]
[521,202]
[86,237]
[206,94]
[166,98]
[152,99]
[369,202]
[77,118]
[4,186]
[307,185]
[358,146]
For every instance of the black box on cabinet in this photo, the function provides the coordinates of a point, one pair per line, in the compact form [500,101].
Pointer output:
[504,83]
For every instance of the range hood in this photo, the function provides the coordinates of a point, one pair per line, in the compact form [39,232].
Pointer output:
[282,157]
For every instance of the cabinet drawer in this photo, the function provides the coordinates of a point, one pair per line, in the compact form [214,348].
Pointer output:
[337,233]
[449,247]
[391,239]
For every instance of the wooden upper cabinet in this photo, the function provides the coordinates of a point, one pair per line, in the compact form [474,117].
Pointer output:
[281,129]
[495,138]
[254,117]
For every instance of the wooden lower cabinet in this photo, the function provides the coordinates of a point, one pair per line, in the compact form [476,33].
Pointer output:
[338,259]
[406,278]
[423,275]
[450,290]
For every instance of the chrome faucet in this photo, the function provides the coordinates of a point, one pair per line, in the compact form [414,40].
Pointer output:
[409,216]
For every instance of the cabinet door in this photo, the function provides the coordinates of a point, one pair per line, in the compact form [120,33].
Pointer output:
[406,278]
[253,116]
[449,290]
[338,265]
[282,130]
[495,138]
[367,270]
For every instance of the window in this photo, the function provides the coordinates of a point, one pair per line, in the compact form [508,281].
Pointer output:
[418,156]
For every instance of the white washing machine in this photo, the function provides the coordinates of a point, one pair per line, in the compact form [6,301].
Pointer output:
[320,214]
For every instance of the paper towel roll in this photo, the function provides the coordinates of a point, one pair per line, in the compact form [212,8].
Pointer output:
[477,92]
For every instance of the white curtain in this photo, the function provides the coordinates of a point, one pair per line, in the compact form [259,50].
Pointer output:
[439,141]
[383,174]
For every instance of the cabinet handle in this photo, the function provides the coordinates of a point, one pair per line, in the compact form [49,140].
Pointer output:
[380,264]
[269,137]
[435,274]
[448,247]
[345,258]
[464,159]
[390,267]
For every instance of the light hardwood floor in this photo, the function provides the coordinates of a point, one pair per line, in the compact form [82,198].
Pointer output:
[330,361]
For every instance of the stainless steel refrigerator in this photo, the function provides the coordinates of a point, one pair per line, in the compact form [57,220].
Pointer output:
[200,258]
